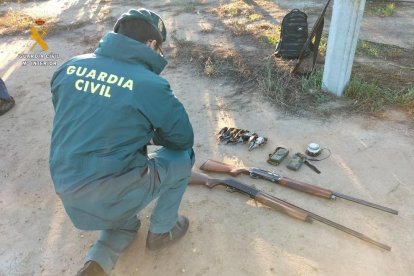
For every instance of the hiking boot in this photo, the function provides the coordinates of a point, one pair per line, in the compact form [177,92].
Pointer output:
[158,241]
[91,268]
[6,105]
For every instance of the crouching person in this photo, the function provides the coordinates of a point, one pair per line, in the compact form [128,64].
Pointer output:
[109,106]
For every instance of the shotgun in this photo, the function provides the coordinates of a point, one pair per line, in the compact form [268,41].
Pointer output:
[279,204]
[219,167]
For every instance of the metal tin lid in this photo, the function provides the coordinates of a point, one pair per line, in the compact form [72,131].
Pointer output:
[314,148]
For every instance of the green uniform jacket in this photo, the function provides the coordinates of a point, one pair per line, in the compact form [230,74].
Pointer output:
[108,105]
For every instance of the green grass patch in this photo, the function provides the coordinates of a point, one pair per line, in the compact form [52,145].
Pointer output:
[323,45]
[312,85]
[373,50]
[380,8]
[269,37]
[255,16]
[379,50]
[370,49]
[387,10]
[370,97]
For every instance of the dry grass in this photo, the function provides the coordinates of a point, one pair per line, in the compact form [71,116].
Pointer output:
[278,86]
[212,61]
[15,22]
[370,90]
[103,14]
[258,73]
[242,19]
[18,1]
[234,9]
[238,26]
[207,29]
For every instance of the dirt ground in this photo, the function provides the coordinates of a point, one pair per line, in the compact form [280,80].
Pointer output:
[229,233]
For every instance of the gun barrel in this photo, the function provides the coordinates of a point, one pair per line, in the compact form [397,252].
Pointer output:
[349,231]
[313,189]
[332,223]
[366,203]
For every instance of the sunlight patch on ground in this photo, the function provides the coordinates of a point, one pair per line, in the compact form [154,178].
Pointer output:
[9,52]
[293,263]
[349,172]
[50,8]
[54,235]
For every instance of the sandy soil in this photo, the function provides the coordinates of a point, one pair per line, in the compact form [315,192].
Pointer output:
[229,233]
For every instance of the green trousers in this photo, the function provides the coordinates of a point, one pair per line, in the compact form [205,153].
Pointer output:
[171,170]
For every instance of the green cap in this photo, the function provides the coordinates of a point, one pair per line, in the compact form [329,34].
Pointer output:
[144,14]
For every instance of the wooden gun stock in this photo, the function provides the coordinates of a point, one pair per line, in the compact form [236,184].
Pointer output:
[265,199]
[219,167]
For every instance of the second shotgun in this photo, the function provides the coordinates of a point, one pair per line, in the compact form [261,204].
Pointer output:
[219,167]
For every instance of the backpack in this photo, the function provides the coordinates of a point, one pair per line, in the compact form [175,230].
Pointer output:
[293,35]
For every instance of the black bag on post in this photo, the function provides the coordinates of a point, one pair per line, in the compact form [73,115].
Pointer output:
[293,35]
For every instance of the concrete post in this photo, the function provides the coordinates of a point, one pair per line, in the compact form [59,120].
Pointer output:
[342,42]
